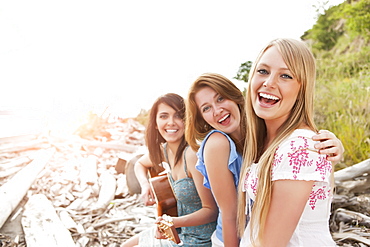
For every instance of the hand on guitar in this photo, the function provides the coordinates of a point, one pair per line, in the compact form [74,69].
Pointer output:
[147,195]
[166,229]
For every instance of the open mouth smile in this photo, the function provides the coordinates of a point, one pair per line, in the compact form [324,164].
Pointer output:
[268,99]
[224,118]
[171,131]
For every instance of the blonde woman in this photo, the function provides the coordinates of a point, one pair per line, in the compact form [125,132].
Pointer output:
[286,184]
[216,127]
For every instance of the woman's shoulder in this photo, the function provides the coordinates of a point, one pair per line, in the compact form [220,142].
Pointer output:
[300,138]
[190,155]
[217,140]
[217,136]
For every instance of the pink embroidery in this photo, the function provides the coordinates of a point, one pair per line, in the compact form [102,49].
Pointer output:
[250,183]
[254,185]
[277,160]
[323,166]
[317,195]
[299,157]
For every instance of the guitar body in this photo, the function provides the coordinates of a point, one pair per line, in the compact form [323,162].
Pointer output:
[164,195]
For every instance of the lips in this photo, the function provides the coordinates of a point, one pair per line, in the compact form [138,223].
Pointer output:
[225,119]
[171,130]
[268,99]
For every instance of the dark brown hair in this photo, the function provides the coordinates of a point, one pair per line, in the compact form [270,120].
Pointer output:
[154,140]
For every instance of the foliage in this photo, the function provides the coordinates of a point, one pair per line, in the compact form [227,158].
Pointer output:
[342,105]
[143,117]
[351,18]
[243,72]
[326,31]
[342,102]
[357,17]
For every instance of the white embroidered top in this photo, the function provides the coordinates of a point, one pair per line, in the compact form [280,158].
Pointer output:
[297,159]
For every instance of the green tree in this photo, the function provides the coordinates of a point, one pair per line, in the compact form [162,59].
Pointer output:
[326,31]
[243,72]
[357,17]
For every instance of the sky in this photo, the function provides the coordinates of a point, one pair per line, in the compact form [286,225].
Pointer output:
[67,57]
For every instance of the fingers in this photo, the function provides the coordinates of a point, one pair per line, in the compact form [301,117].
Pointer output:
[158,234]
[326,144]
[324,135]
[331,151]
[147,199]
[334,159]
[329,144]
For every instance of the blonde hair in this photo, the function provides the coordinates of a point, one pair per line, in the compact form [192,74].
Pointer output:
[301,63]
[196,128]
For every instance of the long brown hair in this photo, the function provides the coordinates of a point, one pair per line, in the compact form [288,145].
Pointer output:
[301,63]
[154,140]
[196,128]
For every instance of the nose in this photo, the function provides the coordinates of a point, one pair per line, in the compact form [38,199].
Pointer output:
[218,110]
[171,120]
[270,81]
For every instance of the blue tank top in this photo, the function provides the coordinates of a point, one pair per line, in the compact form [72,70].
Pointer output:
[234,165]
[188,201]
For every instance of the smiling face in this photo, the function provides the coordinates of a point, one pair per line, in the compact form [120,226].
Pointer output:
[274,89]
[169,123]
[222,114]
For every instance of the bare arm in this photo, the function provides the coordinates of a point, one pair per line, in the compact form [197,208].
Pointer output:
[209,211]
[216,156]
[330,145]
[288,200]
[141,171]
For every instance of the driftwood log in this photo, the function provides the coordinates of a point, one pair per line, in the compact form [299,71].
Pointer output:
[352,172]
[12,192]
[350,219]
[32,144]
[42,226]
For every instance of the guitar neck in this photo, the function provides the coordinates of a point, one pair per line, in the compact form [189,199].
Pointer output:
[169,231]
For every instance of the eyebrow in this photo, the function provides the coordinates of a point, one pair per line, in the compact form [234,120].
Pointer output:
[266,65]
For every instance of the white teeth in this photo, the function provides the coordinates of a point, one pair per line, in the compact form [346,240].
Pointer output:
[171,131]
[222,119]
[268,96]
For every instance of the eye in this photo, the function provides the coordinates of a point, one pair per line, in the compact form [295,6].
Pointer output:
[178,116]
[205,108]
[262,72]
[286,76]
[220,98]
[163,116]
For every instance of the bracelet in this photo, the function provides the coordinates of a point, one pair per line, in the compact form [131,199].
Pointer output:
[168,218]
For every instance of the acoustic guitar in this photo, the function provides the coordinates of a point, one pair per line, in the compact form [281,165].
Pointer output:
[166,204]
[163,193]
